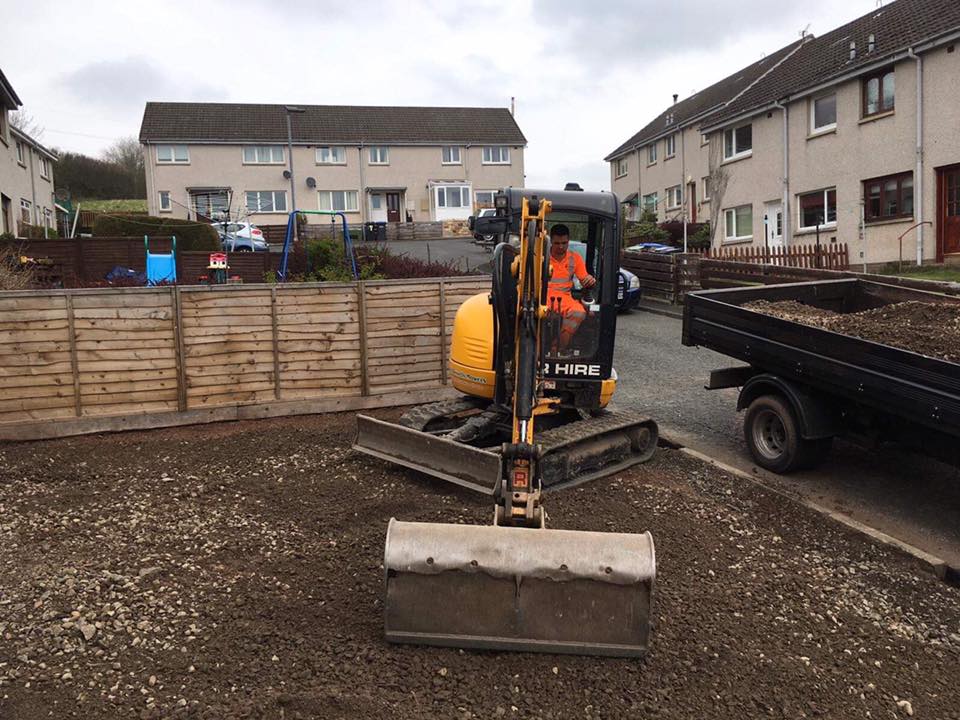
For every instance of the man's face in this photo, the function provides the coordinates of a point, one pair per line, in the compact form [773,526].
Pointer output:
[558,245]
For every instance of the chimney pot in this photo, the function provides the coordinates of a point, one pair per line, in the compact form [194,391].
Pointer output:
[675,96]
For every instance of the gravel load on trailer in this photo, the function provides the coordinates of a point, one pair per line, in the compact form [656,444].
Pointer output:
[234,571]
[931,329]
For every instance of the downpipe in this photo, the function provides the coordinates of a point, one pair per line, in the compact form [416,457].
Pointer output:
[918,174]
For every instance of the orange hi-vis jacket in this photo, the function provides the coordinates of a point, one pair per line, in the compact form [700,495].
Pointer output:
[560,290]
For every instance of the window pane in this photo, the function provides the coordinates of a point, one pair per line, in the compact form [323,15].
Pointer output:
[888,91]
[180,153]
[164,152]
[831,206]
[825,111]
[729,222]
[812,211]
[872,96]
[324,200]
[728,143]
[744,221]
[266,202]
[906,193]
[249,154]
[890,197]
[873,200]
[744,138]
[252,201]
[339,155]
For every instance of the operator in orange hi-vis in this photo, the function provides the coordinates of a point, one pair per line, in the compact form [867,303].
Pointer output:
[564,265]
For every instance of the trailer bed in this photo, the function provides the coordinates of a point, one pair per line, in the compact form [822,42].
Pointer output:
[893,381]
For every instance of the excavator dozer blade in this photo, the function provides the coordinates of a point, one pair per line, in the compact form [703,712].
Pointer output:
[507,588]
[455,462]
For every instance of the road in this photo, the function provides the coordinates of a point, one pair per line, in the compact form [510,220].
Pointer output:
[909,497]
[461,252]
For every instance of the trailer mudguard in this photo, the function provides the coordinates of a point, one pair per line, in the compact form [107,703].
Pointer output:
[818,416]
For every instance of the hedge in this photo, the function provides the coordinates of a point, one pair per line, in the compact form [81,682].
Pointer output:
[190,235]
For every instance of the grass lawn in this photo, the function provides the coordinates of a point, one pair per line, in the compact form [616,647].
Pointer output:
[114,205]
[949,273]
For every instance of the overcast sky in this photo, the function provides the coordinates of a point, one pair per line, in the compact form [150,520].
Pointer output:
[586,75]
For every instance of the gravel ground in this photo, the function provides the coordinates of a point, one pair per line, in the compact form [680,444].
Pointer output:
[234,570]
[931,329]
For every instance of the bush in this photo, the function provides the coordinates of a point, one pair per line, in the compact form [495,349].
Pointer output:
[700,240]
[190,235]
[644,231]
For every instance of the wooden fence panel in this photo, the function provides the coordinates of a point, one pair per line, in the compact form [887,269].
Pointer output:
[403,336]
[228,346]
[36,359]
[318,341]
[126,352]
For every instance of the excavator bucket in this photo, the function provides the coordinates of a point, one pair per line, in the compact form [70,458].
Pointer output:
[508,588]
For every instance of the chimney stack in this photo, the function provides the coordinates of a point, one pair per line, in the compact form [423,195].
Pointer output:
[513,105]
[675,96]
[853,49]
[871,42]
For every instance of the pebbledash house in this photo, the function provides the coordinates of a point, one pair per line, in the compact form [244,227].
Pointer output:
[391,164]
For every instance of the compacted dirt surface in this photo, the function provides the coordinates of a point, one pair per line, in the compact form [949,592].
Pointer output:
[931,329]
[234,571]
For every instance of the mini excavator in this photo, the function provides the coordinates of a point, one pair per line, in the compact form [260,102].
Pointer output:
[534,418]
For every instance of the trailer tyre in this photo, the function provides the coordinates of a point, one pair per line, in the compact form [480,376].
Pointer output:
[772,433]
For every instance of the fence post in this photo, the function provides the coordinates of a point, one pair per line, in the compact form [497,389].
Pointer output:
[177,300]
[443,331]
[276,342]
[74,362]
[362,315]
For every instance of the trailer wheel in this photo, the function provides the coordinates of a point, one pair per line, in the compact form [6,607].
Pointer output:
[773,435]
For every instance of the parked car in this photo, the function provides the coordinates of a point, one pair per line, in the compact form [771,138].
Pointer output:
[234,243]
[484,239]
[628,291]
[239,230]
[654,247]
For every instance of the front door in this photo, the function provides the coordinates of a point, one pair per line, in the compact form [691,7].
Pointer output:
[6,223]
[773,224]
[393,207]
[948,209]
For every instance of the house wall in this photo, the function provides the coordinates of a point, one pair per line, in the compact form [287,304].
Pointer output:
[858,150]
[23,181]
[411,167]
[689,164]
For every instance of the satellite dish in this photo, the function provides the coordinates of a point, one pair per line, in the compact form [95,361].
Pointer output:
[62,194]
[287,175]
[311,182]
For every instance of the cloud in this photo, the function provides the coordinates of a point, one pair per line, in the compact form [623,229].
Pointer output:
[123,84]
[618,32]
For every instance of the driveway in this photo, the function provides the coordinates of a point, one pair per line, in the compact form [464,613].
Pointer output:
[461,252]
[910,497]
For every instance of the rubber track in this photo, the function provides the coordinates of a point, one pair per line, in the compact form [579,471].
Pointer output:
[417,418]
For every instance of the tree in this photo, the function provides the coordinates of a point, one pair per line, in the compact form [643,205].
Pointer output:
[127,155]
[716,182]
[27,124]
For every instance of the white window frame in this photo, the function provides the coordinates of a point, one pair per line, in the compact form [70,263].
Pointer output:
[331,151]
[674,197]
[736,236]
[382,154]
[502,155]
[826,225]
[348,195]
[47,218]
[173,155]
[20,153]
[28,206]
[737,154]
[259,193]
[652,207]
[670,146]
[440,191]
[651,154]
[705,188]
[622,167]
[44,167]
[478,193]
[814,130]
[704,139]
[164,206]
[263,154]
[447,153]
